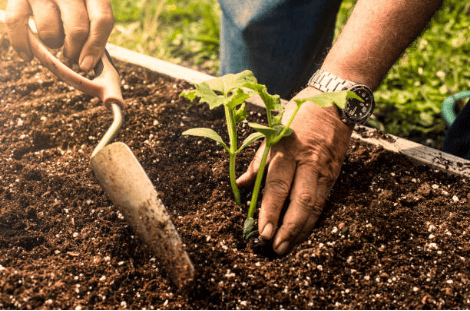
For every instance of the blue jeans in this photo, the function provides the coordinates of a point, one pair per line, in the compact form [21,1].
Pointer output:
[282,41]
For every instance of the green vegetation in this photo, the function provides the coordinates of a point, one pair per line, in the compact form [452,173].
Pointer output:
[434,67]
[409,100]
[226,91]
[231,91]
[180,31]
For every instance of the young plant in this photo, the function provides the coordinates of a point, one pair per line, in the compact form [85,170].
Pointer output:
[228,91]
[232,91]
[275,131]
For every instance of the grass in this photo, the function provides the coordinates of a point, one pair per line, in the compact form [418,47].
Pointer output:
[409,100]
[179,31]
[434,67]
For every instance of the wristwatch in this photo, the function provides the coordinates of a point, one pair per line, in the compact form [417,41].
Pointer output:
[355,112]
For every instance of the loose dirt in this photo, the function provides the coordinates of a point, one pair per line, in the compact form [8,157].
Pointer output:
[394,234]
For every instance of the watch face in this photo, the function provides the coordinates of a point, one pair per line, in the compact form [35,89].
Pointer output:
[357,111]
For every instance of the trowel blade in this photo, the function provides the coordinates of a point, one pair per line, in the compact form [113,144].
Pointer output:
[127,185]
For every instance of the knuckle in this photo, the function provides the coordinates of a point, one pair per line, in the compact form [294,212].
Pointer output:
[104,22]
[317,209]
[278,187]
[305,200]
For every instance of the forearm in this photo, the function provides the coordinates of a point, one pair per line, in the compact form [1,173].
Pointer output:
[376,34]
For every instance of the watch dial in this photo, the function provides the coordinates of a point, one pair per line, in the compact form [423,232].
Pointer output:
[358,111]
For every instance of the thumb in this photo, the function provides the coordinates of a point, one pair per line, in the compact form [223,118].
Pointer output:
[248,178]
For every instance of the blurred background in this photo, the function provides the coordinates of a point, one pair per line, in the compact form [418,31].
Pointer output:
[409,100]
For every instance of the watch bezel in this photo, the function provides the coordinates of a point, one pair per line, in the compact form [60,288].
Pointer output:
[370,102]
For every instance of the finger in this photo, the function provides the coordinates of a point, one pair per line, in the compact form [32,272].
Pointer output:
[320,198]
[48,23]
[16,20]
[278,183]
[304,205]
[306,230]
[101,24]
[248,178]
[76,26]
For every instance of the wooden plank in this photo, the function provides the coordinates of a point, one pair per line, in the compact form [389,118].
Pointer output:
[154,64]
[418,152]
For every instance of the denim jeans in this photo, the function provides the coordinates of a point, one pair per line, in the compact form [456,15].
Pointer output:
[282,41]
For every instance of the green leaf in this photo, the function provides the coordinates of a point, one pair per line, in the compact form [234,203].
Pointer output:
[328,99]
[280,127]
[241,114]
[191,95]
[206,95]
[249,228]
[271,102]
[237,99]
[225,84]
[277,119]
[208,133]
[251,138]
[254,86]
[265,130]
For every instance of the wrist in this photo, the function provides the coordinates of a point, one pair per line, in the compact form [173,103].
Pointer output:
[352,73]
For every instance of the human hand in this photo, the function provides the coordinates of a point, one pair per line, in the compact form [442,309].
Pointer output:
[81,26]
[302,167]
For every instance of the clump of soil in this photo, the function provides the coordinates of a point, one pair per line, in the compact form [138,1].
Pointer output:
[394,235]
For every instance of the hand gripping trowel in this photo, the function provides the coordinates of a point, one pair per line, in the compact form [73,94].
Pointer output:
[119,172]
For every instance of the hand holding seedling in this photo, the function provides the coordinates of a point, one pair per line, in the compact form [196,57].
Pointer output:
[302,169]
[305,164]
[81,26]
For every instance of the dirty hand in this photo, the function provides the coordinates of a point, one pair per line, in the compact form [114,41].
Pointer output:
[302,168]
[81,26]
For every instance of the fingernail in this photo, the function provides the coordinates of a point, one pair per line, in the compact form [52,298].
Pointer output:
[268,232]
[282,248]
[86,63]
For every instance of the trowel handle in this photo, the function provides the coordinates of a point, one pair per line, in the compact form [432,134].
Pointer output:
[106,85]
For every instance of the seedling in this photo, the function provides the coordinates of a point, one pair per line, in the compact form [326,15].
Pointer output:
[227,91]
[232,91]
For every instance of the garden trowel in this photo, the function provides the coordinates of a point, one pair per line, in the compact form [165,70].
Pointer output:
[119,172]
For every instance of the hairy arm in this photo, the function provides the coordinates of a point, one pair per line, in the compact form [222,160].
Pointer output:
[303,167]
[376,34]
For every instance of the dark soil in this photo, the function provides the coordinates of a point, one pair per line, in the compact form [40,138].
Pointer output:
[394,234]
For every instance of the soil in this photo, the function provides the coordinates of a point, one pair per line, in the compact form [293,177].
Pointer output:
[394,234]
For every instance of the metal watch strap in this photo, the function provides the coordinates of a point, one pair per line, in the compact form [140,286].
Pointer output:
[328,82]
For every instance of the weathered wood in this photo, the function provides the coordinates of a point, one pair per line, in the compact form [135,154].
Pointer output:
[160,66]
[422,154]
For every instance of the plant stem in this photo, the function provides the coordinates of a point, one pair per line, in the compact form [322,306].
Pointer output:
[232,134]
[284,130]
[236,192]
[269,117]
[259,178]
